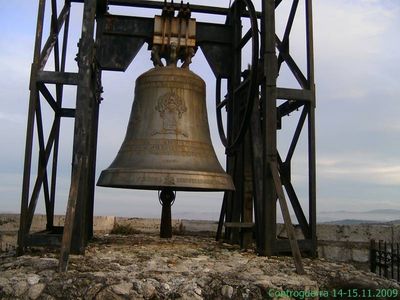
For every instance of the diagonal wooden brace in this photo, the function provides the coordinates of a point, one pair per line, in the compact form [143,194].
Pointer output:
[286,217]
[69,219]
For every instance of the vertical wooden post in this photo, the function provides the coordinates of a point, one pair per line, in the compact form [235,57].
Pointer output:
[380,257]
[398,262]
[391,260]
[237,201]
[372,256]
[83,132]
[311,129]
[385,260]
[247,210]
[269,126]
[33,98]
[258,169]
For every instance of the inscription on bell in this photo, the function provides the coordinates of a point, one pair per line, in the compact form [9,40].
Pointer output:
[185,83]
[171,108]
[169,180]
[169,147]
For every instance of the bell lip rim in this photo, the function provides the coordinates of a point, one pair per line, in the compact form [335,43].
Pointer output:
[179,187]
[161,187]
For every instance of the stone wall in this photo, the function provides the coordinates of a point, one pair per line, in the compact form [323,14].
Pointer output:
[9,224]
[350,243]
[344,243]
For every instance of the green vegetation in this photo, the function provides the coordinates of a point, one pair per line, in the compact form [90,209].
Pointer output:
[124,229]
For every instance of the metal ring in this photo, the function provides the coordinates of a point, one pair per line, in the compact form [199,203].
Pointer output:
[253,83]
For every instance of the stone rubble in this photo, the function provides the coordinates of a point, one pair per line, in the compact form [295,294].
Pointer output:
[143,266]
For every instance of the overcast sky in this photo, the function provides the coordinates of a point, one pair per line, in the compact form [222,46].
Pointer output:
[357,65]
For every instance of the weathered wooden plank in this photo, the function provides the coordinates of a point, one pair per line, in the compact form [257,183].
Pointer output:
[70,217]
[286,217]
[57,77]
[257,169]
[67,112]
[85,103]
[159,5]
[269,117]
[311,128]
[294,94]
[247,211]
[44,240]
[239,224]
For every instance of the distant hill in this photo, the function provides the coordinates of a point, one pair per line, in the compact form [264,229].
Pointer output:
[376,216]
[358,222]
[349,222]
[395,222]
[373,211]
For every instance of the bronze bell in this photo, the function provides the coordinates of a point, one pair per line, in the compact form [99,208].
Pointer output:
[167,143]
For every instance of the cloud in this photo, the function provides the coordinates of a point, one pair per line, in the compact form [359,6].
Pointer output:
[354,46]
[358,169]
[12,117]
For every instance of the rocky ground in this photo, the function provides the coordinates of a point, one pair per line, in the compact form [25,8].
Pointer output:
[143,266]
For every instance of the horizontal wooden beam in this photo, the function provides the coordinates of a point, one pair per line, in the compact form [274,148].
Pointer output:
[127,25]
[239,225]
[44,239]
[294,94]
[57,77]
[284,245]
[67,112]
[160,4]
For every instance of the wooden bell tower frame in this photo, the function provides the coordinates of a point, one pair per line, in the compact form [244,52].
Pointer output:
[110,42]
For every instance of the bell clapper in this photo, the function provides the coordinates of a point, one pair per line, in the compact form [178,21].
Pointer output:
[166,198]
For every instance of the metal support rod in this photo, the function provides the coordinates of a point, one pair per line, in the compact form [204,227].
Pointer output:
[167,197]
